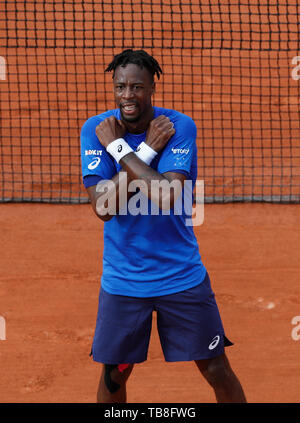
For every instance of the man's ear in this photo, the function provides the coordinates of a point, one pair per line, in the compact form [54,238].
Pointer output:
[153,87]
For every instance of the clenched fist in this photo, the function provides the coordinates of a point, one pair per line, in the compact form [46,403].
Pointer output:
[159,132]
[109,130]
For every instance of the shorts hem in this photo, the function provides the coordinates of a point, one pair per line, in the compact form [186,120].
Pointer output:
[203,357]
[123,361]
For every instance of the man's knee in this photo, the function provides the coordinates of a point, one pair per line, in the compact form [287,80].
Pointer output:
[216,370]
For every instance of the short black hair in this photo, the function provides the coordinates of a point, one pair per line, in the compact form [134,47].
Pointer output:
[138,57]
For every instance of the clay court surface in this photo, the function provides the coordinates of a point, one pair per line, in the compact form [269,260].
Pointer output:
[49,284]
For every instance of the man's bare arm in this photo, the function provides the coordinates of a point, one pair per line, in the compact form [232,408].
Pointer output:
[120,181]
[159,132]
[138,170]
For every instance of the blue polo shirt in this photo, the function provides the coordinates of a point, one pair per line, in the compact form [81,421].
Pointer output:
[148,252]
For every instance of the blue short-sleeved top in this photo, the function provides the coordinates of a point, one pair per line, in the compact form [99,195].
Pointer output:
[149,252]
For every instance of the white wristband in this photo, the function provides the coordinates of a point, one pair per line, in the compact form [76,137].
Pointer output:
[145,153]
[118,149]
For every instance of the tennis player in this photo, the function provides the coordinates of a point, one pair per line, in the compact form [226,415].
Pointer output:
[151,260]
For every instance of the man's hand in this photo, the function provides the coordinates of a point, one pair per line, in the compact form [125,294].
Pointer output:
[109,130]
[159,132]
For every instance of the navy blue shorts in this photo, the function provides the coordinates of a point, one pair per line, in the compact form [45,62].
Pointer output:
[188,323]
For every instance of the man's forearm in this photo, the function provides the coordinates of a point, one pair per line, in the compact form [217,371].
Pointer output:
[109,196]
[160,189]
[137,169]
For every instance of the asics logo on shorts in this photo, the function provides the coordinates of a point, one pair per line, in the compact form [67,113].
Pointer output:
[214,342]
[94,163]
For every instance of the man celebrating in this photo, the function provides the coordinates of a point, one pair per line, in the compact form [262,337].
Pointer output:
[151,260]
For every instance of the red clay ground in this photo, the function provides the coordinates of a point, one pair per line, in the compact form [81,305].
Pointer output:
[51,266]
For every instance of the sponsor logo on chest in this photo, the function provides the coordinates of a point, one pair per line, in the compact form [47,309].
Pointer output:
[93,152]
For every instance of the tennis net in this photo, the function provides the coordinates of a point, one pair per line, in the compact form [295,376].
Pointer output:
[233,66]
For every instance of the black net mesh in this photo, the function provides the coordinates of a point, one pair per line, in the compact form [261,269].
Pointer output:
[233,66]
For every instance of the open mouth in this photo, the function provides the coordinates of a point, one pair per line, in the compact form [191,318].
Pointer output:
[129,109]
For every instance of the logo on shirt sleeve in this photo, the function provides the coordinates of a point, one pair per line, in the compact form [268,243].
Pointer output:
[94,163]
[93,152]
[180,150]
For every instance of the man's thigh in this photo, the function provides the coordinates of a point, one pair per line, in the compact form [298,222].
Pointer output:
[190,325]
[123,329]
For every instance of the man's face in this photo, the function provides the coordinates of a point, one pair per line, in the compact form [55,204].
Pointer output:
[133,89]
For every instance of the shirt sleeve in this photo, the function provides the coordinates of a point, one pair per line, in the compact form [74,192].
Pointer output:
[90,180]
[94,158]
[178,154]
